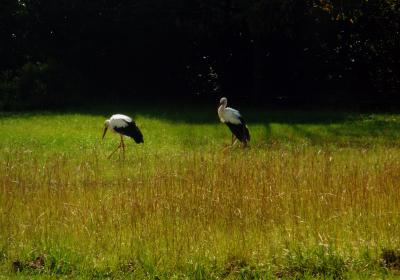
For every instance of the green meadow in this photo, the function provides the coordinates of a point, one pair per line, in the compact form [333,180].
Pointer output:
[315,196]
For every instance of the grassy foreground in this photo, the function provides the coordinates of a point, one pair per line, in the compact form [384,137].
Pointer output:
[317,195]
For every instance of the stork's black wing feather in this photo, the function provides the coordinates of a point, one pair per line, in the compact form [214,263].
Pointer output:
[240,131]
[132,131]
[246,132]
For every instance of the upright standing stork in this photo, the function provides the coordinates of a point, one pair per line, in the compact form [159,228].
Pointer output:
[234,121]
[124,126]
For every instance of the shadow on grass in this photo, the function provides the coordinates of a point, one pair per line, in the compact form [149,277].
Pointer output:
[316,126]
[195,113]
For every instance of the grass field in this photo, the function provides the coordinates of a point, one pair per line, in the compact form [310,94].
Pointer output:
[315,196]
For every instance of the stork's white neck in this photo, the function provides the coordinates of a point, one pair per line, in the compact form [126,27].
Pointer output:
[221,112]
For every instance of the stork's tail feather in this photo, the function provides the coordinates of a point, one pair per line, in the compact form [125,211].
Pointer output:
[134,132]
[137,135]
[246,134]
[240,131]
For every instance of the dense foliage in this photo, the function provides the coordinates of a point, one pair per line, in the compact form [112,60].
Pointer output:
[53,51]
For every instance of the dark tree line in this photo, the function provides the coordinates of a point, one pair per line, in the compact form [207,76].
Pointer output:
[57,51]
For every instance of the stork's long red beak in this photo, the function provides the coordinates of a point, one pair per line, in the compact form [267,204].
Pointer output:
[104,133]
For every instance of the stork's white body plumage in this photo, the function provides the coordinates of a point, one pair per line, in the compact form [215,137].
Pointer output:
[119,120]
[234,120]
[124,126]
[229,114]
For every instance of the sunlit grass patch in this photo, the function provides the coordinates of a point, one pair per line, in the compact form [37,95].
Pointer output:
[303,201]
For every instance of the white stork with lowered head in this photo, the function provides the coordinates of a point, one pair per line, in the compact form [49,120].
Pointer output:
[233,119]
[124,126]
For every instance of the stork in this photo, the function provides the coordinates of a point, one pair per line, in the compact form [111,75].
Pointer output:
[233,119]
[124,126]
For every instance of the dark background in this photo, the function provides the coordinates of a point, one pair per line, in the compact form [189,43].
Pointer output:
[298,53]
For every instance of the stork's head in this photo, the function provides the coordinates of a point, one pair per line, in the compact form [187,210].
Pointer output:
[106,124]
[223,101]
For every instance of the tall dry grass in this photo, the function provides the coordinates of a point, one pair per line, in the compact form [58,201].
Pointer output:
[162,213]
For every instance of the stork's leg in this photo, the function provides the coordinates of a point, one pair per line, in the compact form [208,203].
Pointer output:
[234,142]
[233,139]
[123,146]
[119,146]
